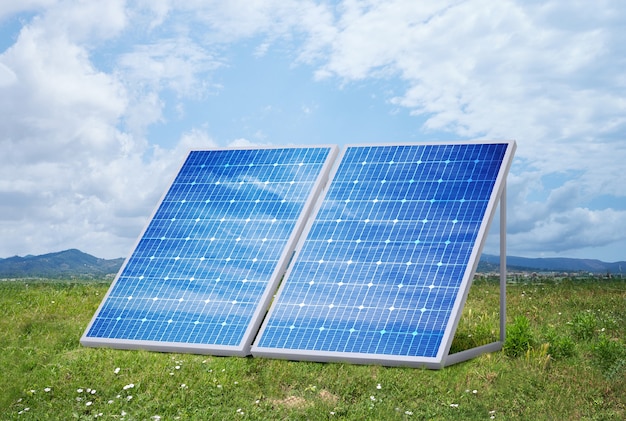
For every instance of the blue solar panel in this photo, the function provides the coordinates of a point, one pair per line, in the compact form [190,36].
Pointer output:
[384,266]
[202,273]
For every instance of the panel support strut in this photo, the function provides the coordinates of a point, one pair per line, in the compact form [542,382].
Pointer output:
[503,264]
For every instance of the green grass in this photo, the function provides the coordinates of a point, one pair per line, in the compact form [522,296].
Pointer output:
[569,362]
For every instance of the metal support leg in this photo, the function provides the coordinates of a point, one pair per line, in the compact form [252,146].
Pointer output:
[503,264]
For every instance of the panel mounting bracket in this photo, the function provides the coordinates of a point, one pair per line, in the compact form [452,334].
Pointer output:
[468,354]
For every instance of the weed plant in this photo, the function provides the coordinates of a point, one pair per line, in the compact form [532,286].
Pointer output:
[569,363]
[519,337]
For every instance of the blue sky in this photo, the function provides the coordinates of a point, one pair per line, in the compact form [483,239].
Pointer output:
[102,100]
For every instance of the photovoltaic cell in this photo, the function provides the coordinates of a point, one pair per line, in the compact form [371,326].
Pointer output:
[385,264]
[203,271]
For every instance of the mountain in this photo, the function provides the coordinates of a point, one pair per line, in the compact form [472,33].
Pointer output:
[68,263]
[551,264]
[76,264]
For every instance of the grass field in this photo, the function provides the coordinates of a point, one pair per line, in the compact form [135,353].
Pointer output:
[565,359]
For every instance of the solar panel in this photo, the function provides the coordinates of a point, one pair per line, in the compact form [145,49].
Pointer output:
[202,273]
[383,268]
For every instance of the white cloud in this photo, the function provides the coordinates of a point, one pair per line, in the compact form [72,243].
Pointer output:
[237,19]
[479,68]
[548,74]
[69,177]
[85,83]
[155,11]
[565,231]
[86,21]
[59,101]
[8,8]
[170,63]
[7,76]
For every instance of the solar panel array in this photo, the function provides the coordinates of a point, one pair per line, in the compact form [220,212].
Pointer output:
[201,275]
[380,273]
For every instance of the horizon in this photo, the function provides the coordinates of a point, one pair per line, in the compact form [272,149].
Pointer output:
[103,101]
[482,254]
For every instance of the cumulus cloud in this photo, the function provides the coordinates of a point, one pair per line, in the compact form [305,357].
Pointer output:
[7,76]
[70,175]
[84,83]
[86,22]
[565,231]
[547,74]
[9,8]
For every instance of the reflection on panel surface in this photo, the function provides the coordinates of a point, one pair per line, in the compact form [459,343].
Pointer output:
[210,255]
[385,261]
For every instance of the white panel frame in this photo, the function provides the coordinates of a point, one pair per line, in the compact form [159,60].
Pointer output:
[243,348]
[443,357]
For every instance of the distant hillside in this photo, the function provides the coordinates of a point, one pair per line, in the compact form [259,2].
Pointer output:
[69,263]
[76,264]
[552,264]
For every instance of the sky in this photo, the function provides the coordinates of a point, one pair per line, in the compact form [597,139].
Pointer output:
[101,101]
